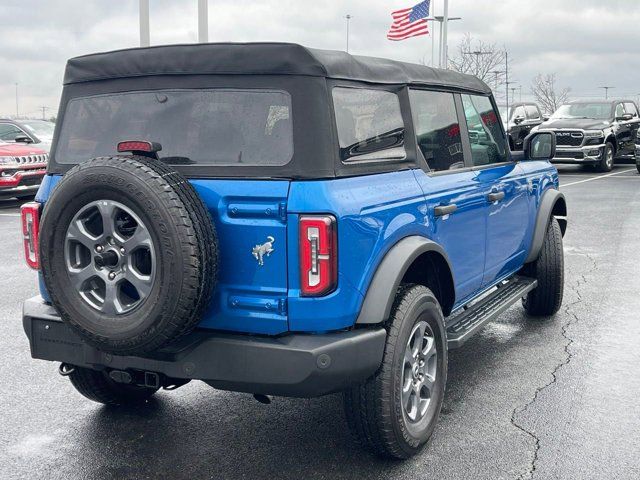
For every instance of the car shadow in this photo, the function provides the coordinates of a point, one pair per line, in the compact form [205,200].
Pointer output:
[198,432]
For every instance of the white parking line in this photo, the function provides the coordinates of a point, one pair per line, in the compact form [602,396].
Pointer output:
[597,178]
[9,214]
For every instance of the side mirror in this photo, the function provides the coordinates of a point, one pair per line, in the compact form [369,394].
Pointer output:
[624,118]
[545,118]
[540,146]
[23,139]
[518,120]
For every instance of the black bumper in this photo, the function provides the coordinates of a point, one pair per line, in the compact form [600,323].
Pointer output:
[296,365]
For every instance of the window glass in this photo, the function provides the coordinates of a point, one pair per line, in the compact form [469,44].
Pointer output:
[207,127]
[8,132]
[619,110]
[488,143]
[532,112]
[369,124]
[631,108]
[518,112]
[437,129]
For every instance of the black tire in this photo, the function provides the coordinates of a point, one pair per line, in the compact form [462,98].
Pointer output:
[608,156]
[97,386]
[185,248]
[374,409]
[638,167]
[545,300]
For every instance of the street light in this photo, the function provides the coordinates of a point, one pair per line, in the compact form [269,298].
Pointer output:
[606,91]
[444,49]
[348,18]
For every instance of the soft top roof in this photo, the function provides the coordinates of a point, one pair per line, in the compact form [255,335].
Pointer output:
[256,59]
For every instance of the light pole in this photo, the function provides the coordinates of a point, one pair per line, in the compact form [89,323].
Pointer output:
[17,110]
[606,91]
[348,18]
[203,21]
[145,39]
[443,49]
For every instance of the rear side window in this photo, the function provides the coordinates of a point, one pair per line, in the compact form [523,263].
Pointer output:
[437,129]
[631,108]
[369,124]
[532,112]
[207,127]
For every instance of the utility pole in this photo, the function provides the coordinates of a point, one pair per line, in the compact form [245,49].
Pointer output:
[348,18]
[497,73]
[506,75]
[145,39]
[44,109]
[203,21]
[606,91]
[17,110]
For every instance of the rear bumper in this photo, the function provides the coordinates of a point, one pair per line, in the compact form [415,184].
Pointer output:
[297,365]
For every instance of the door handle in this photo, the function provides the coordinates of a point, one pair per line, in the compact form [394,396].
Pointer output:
[443,210]
[495,196]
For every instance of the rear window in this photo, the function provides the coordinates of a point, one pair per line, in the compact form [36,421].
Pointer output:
[207,127]
[369,123]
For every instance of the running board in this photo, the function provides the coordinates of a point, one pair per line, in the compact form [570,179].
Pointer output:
[475,317]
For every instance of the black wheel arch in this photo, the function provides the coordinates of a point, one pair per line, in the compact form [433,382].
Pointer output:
[552,204]
[413,259]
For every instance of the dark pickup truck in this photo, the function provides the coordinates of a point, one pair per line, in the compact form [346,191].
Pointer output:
[594,132]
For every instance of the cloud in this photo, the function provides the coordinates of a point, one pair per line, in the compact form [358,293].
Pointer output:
[587,43]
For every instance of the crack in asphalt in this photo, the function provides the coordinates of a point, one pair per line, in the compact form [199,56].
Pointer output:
[554,373]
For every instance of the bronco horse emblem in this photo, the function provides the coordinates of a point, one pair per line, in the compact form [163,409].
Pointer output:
[264,250]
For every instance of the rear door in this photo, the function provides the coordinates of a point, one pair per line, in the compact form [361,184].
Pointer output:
[504,189]
[453,194]
[633,125]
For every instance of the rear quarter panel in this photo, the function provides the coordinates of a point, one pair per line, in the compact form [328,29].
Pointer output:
[373,213]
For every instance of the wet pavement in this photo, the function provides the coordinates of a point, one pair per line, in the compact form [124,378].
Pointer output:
[525,399]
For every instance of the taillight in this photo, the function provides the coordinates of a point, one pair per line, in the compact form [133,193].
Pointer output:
[30,213]
[318,255]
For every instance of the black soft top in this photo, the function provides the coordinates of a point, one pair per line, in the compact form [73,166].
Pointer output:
[257,59]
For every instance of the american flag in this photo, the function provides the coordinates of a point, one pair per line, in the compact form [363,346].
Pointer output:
[410,22]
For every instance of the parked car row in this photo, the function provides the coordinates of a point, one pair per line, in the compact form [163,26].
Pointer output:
[22,168]
[591,133]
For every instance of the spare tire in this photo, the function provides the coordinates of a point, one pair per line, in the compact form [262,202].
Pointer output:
[128,253]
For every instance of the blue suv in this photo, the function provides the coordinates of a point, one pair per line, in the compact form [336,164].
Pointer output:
[279,220]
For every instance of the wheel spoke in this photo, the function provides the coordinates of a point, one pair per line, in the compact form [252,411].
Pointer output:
[140,238]
[111,304]
[429,349]
[107,212]
[79,276]
[142,283]
[77,233]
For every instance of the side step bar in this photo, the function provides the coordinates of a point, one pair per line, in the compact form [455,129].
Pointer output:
[475,317]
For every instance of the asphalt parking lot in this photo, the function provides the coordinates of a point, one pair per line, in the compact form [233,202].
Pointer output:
[555,399]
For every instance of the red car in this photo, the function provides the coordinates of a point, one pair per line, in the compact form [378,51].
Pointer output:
[21,169]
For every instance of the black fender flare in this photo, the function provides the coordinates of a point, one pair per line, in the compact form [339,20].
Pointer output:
[379,298]
[548,203]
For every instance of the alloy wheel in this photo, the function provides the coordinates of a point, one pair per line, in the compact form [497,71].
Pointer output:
[110,257]
[419,372]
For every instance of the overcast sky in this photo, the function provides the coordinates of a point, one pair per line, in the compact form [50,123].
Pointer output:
[587,43]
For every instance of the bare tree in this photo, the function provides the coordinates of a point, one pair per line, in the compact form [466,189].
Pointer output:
[544,89]
[484,60]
